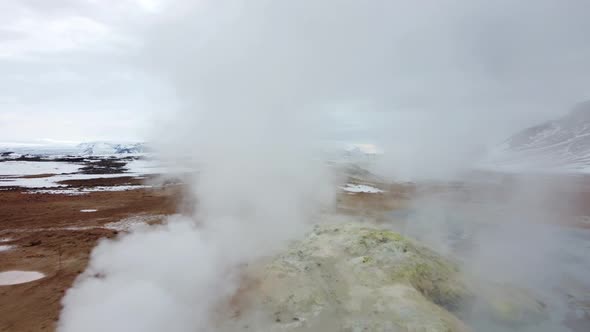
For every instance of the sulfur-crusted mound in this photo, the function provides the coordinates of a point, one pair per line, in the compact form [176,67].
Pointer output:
[349,277]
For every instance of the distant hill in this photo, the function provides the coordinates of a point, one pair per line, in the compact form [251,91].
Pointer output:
[561,145]
[8,150]
[104,148]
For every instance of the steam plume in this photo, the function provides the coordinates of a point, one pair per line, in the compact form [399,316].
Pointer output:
[251,78]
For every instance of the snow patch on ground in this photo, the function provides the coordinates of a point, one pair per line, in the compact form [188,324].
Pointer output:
[5,239]
[124,225]
[85,191]
[146,167]
[12,173]
[88,210]
[129,224]
[52,182]
[68,192]
[20,168]
[361,188]
[115,188]
[142,167]
[5,248]
[19,277]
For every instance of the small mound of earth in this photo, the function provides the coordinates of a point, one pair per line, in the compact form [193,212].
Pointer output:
[350,277]
[8,278]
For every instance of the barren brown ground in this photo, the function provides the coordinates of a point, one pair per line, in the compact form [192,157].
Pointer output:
[35,222]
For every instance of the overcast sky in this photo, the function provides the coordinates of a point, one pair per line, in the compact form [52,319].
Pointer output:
[77,70]
[66,73]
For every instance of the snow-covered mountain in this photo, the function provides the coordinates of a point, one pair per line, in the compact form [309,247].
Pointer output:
[15,150]
[561,145]
[105,148]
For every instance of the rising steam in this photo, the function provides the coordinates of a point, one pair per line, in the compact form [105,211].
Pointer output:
[252,78]
[259,183]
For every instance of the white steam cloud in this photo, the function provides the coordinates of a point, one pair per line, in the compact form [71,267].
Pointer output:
[509,233]
[253,79]
[259,183]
